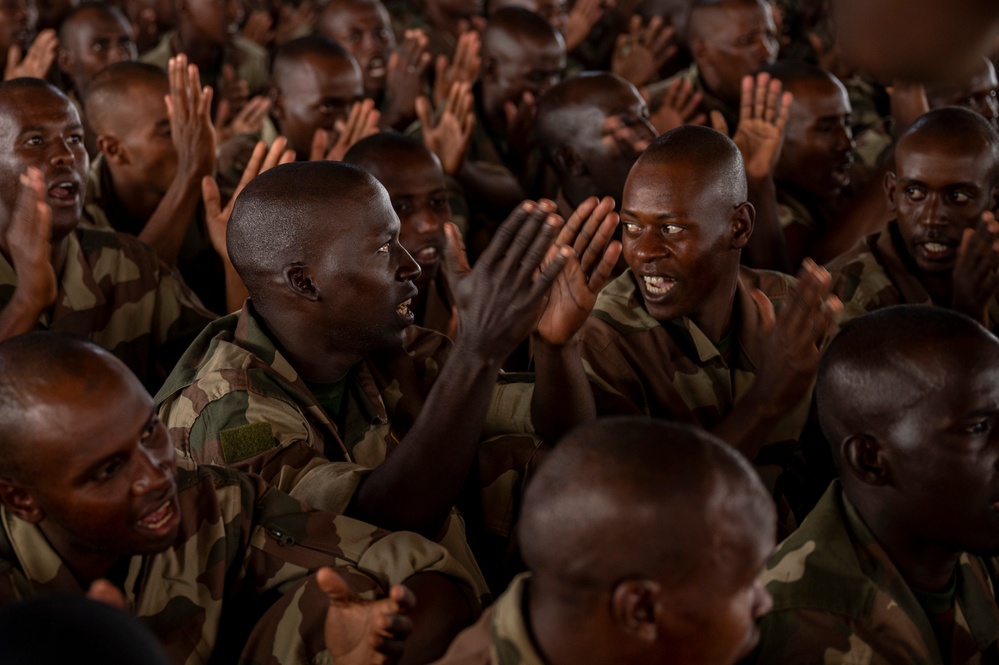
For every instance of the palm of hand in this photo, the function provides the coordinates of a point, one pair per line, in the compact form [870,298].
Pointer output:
[759,142]
[348,630]
[570,301]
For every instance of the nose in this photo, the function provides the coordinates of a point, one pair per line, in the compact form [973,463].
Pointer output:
[62,153]
[934,213]
[369,42]
[234,10]
[425,223]
[650,245]
[844,138]
[153,474]
[122,53]
[409,269]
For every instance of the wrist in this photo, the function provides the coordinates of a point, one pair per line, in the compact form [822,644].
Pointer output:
[540,345]
[27,304]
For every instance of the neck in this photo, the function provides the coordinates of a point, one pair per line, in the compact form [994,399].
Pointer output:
[206,55]
[714,317]
[85,564]
[299,347]
[136,200]
[562,637]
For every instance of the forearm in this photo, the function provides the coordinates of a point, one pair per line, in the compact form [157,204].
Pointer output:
[562,395]
[166,229]
[18,317]
[416,486]
[766,249]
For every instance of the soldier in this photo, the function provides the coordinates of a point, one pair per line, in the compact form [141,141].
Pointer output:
[93,36]
[686,333]
[323,385]
[104,286]
[414,180]
[940,249]
[896,563]
[977,92]
[618,572]
[92,500]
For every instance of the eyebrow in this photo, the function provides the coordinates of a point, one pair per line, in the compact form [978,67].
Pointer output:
[665,215]
[917,181]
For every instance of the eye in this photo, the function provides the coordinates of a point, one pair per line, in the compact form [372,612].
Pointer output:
[403,209]
[671,229]
[630,228]
[960,198]
[980,427]
[106,472]
[34,140]
[75,138]
[385,249]
[438,202]
[147,434]
[353,37]
[914,194]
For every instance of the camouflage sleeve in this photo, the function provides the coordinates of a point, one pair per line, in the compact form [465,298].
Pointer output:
[262,435]
[510,407]
[809,637]
[616,390]
[862,286]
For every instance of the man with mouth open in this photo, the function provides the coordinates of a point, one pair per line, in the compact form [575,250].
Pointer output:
[92,499]
[941,249]
[897,562]
[102,285]
[687,334]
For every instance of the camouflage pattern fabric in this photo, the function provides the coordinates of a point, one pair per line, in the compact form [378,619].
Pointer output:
[872,128]
[235,400]
[839,600]
[115,292]
[239,543]
[792,211]
[250,60]
[875,274]
[673,371]
[407,16]
[709,102]
[500,637]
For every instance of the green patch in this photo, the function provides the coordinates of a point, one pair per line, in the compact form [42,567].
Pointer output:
[238,443]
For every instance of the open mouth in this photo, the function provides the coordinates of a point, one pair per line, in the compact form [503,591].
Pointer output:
[657,285]
[404,310]
[376,67]
[841,174]
[936,251]
[158,518]
[428,254]
[64,192]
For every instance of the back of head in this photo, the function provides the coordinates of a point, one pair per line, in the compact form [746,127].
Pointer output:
[957,129]
[104,104]
[629,497]
[792,73]
[290,212]
[386,150]
[711,153]
[557,120]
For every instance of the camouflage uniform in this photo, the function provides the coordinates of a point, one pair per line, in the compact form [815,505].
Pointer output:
[870,120]
[198,263]
[673,371]
[792,211]
[500,637]
[250,60]
[116,293]
[709,102]
[235,400]
[876,274]
[838,599]
[239,542]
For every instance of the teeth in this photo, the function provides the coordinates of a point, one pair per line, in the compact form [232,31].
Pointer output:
[157,518]
[403,307]
[935,247]
[427,253]
[658,285]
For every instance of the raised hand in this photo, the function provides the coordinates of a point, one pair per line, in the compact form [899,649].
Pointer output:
[257,28]
[582,17]
[191,130]
[103,591]
[249,120]
[679,107]
[464,68]
[590,233]
[407,68]
[976,271]
[364,632]
[640,53]
[500,300]
[448,137]
[36,62]
[763,114]
[362,122]
[520,124]
[234,92]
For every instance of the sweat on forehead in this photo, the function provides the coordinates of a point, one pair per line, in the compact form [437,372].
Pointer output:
[701,149]
[625,479]
[876,367]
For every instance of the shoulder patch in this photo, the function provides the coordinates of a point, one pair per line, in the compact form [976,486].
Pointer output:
[238,443]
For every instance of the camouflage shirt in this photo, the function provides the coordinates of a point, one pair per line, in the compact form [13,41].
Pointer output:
[672,370]
[235,400]
[839,600]
[709,102]
[876,274]
[114,291]
[238,540]
[500,637]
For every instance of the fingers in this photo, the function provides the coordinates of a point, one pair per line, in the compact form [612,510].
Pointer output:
[768,317]
[210,195]
[605,269]
[455,260]
[810,311]
[718,122]
[320,140]
[570,231]
[760,95]
[596,235]
[532,242]
[505,233]
[423,115]
[105,592]
[335,586]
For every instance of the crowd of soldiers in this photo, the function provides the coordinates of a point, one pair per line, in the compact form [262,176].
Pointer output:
[422,331]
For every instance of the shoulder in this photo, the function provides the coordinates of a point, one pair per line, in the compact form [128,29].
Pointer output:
[620,307]
[775,285]
[861,282]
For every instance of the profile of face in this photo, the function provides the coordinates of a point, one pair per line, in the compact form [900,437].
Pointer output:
[142,147]
[680,236]
[40,127]
[99,37]
[416,188]
[937,191]
[210,21]
[980,93]
[942,453]
[100,477]
[736,39]
[818,142]
[363,27]
[16,27]
[511,67]
[314,93]
[362,275]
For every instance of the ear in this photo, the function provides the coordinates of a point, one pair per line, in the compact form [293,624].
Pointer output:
[865,457]
[568,161]
[488,68]
[698,49]
[743,221]
[18,501]
[112,149]
[277,103]
[634,606]
[297,278]
[889,183]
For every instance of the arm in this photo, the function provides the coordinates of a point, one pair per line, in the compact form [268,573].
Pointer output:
[498,304]
[193,137]
[407,67]
[790,352]
[976,272]
[562,396]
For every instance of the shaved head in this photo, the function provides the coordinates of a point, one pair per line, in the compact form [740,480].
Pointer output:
[956,128]
[386,150]
[627,497]
[705,150]
[105,96]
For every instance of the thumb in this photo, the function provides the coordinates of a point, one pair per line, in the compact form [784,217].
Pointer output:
[319,142]
[966,237]
[455,260]
[766,309]
[211,197]
[103,591]
[718,122]
[334,586]
[13,59]
[222,113]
